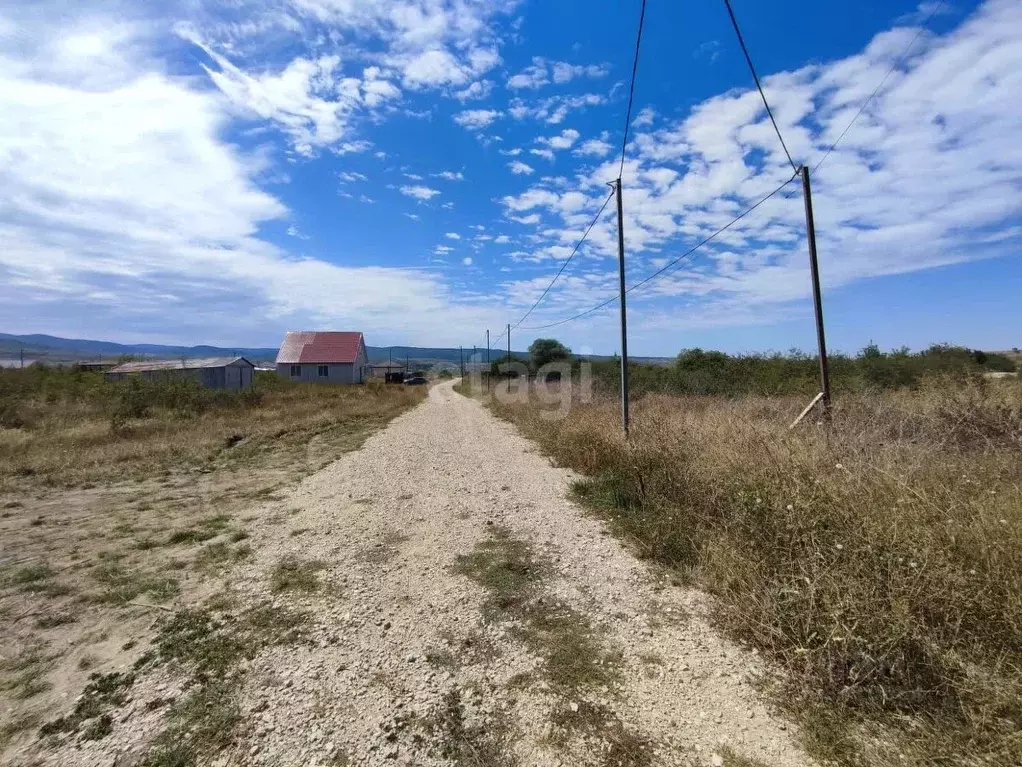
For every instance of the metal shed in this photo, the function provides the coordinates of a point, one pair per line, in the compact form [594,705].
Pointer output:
[231,373]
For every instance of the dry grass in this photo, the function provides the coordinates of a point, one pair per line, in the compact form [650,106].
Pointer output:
[72,439]
[878,562]
[102,522]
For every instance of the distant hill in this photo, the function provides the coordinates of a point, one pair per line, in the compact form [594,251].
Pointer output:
[37,346]
[56,349]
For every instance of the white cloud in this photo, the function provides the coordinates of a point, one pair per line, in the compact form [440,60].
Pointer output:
[564,72]
[431,44]
[645,118]
[564,140]
[452,236]
[414,216]
[502,240]
[350,176]
[519,168]
[376,92]
[901,190]
[412,176]
[533,76]
[476,119]
[544,153]
[539,73]
[419,192]
[594,148]
[450,175]
[510,152]
[480,89]
[142,223]
[554,109]
[434,68]
[467,260]
[349,147]
[309,100]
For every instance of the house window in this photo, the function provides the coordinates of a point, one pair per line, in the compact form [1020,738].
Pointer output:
[296,371]
[324,371]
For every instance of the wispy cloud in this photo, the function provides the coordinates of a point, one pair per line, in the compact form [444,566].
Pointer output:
[419,192]
[476,119]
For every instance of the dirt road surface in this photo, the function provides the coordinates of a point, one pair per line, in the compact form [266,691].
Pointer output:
[469,613]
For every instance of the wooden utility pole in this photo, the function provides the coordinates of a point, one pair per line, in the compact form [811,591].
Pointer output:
[624,319]
[814,271]
[509,359]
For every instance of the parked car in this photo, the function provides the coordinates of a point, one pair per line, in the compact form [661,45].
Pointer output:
[416,381]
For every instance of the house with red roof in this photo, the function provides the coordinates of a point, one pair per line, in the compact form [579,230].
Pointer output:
[323,356]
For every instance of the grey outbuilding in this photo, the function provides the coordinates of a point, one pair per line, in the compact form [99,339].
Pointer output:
[230,373]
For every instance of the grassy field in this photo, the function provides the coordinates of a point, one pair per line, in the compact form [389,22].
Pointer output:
[876,561]
[119,502]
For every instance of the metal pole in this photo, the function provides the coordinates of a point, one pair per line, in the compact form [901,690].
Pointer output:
[508,359]
[624,320]
[814,270]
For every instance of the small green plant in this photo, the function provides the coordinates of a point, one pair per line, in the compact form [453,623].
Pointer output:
[292,573]
[464,743]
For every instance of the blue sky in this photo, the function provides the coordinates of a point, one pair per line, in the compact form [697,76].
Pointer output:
[220,172]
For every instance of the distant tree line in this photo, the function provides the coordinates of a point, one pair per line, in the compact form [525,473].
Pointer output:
[697,371]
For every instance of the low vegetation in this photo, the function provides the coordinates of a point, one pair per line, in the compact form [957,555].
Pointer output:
[877,559]
[65,427]
[124,504]
[575,659]
[696,371]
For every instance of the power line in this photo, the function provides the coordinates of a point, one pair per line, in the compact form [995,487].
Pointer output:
[759,87]
[670,264]
[897,65]
[631,89]
[566,261]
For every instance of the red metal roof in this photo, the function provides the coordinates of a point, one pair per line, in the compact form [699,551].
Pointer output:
[319,347]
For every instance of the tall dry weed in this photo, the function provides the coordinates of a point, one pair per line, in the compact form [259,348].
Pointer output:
[877,560]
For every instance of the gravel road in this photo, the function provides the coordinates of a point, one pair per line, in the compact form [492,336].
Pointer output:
[410,665]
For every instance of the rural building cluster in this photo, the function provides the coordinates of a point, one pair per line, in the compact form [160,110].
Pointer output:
[336,357]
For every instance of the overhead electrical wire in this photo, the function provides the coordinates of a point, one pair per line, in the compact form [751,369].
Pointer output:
[566,261]
[897,65]
[759,87]
[624,143]
[670,264]
[631,90]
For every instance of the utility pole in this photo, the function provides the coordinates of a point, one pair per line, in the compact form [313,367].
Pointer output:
[624,320]
[509,359]
[461,361]
[814,270]
[487,347]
